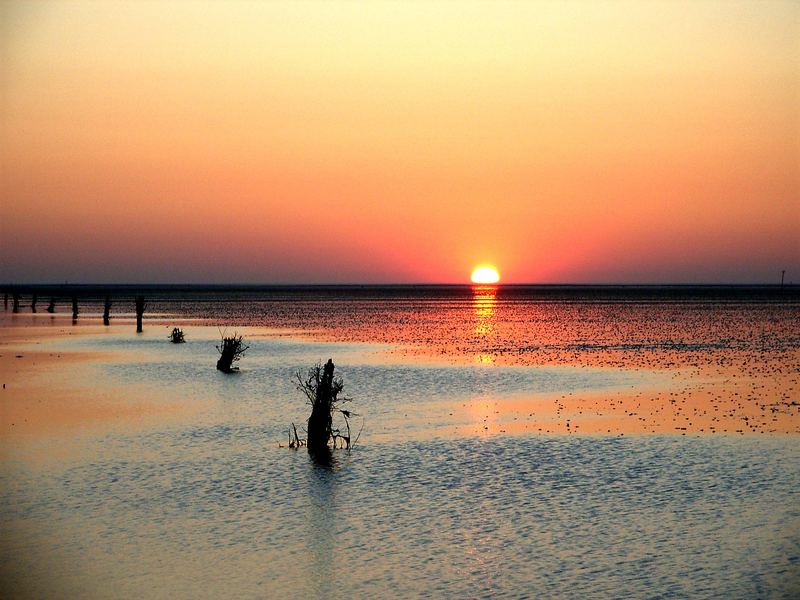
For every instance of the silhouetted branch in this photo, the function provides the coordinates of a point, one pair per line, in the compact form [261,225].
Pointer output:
[176,337]
[295,442]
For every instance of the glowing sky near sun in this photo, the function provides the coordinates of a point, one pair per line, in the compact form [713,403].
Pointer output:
[399,142]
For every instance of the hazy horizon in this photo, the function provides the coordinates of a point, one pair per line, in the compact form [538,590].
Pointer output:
[235,284]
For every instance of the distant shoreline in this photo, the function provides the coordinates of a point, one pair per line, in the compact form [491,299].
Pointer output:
[612,293]
[284,286]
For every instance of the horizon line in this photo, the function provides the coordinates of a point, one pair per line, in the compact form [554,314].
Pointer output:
[11,285]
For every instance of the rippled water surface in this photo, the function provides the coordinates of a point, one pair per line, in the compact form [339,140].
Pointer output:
[447,493]
[215,512]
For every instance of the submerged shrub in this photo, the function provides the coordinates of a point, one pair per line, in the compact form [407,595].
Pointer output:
[176,337]
[231,349]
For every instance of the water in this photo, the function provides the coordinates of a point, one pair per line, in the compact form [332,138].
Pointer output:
[467,481]
[215,511]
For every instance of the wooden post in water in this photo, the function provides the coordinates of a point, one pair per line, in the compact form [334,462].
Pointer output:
[74,307]
[783,274]
[34,300]
[107,310]
[15,302]
[140,306]
[51,308]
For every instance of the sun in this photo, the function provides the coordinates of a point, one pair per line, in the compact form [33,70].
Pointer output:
[485,274]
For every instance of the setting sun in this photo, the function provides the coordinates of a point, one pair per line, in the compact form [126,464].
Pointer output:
[485,274]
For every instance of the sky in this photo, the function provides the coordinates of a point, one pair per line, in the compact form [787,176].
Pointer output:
[345,142]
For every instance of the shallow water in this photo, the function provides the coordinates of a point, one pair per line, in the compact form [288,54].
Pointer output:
[215,511]
[438,499]
[395,399]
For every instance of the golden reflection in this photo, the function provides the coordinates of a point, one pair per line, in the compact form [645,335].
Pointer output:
[484,301]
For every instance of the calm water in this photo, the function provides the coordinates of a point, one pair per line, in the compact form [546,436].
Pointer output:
[436,500]
[215,512]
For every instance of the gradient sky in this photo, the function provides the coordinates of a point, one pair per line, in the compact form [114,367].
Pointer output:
[399,142]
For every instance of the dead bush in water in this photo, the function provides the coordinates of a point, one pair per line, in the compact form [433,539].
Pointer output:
[231,349]
[322,389]
[176,337]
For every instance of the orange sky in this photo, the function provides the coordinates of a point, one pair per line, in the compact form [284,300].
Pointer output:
[399,142]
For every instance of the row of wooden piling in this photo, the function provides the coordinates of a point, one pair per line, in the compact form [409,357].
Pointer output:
[139,302]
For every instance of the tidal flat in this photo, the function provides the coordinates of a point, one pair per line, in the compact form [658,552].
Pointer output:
[511,447]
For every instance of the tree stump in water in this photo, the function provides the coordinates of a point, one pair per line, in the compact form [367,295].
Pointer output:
[51,308]
[107,310]
[322,389]
[321,420]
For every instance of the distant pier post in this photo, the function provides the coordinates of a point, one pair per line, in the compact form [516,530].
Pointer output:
[15,302]
[140,306]
[34,300]
[51,308]
[74,308]
[783,274]
[107,310]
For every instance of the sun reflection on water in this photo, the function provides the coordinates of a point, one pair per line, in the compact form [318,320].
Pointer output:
[484,302]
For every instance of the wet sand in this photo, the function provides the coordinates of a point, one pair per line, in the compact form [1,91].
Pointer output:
[51,391]
[693,407]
